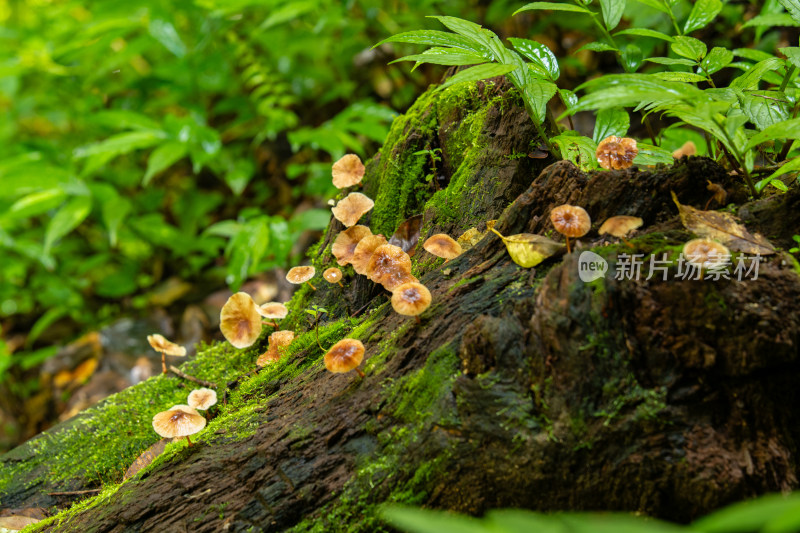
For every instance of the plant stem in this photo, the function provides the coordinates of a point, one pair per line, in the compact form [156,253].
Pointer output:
[739,160]
[650,131]
[787,77]
[316,329]
[789,142]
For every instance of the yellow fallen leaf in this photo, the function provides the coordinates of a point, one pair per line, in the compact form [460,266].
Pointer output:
[724,228]
[528,250]
[470,238]
[146,457]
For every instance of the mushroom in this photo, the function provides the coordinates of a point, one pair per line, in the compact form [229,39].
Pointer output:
[364,250]
[161,344]
[389,266]
[442,245]
[274,310]
[202,399]
[706,253]
[688,149]
[333,275]
[719,194]
[345,356]
[300,275]
[616,152]
[619,226]
[351,208]
[278,340]
[179,421]
[240,321]
[411,299]
[346,242]
[571,221]
[347,171]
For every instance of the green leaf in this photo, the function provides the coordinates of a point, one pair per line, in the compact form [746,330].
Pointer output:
[114,212]
[288,12]
[480,72]
[444,56]
[771,20]
[424,521]
[631,57]
[751,78]
[612,12]
[671,61]
[652,155]
[44,322]
[689,47]
[703,12]
[568,97]
[121,143]
[612,121]
[551,6]
[576,148]
[689,77]
[598,47]
[123,119]
[764,108]
[748,515]
[760,185]
[240,175]
[165,33]
[793,7]
[717,59]
[655,4]
[35,204]
[752,54]
[431,38]
[788,166]
[643,32]
[788,129]
[66,219]
[539,54]
[162,158]
[537,93]
[792,54]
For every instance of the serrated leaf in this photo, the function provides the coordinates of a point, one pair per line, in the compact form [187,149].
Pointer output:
[431,38]
[792,54]
[480,72]
[537,94]
[671,61]
[764,108]
[793,7]
[598,47]
[162,158]
[689,47]
[568,97]
[644,32]
[703,12]
[444,56]
[771,20]
[723,227]
[528,250]
[578,149]
[751,78]
[717,59]
[612,12]
[551,6]
[66,219]
[652,155]
[538,54]
[689,77]
[612,121]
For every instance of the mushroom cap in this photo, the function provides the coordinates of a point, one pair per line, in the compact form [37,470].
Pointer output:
[277,340]
[616,152]
[202,398]
[301,274]
[620,225]
[364,250]
[332,275]
[442,245]
[161,344]
[346,242]
[240,320]
[344,356]
[178,421]
[687,149]
[347,171]
[272,310]
[411,299]
[351,208]
[706,253]
[389,266]
[571,220]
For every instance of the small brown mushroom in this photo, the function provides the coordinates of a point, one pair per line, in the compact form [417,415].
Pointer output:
[616,152]
[718,193]
[161,344]
[688,149]
[706,253]
[351,208]
[272,310]
[442,245]
[240,321]
[178,421]
[345,356]
[333,275]
[570,221]
[389,266]
[411,299]
[364,250]
[300,275]
[346,242]
[347,171]
[619,227]
[277,341]
[202,399]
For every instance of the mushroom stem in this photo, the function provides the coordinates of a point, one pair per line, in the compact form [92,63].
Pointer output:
[568,250]
[188,440]
[340,284]
[360,373]
[310,285]
[416,317]
[268,323]
[163,363]
[627,242]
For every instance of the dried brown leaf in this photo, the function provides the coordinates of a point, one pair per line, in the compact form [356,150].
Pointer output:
[16,523]
[146,457]
[407,235]
[724,228]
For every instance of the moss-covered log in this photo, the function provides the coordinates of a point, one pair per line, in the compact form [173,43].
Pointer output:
[520,387]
